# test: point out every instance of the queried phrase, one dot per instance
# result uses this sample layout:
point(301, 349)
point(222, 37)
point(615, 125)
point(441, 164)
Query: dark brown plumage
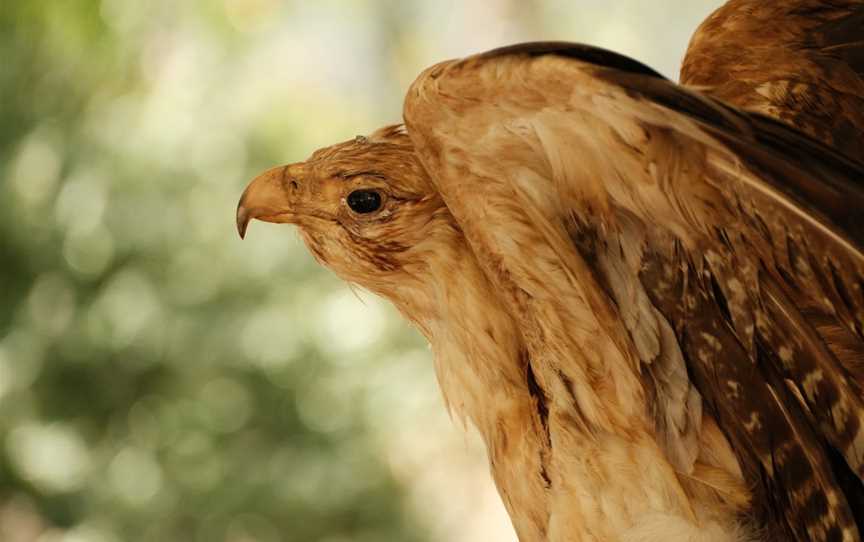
point(800, 61)
point(649, 302)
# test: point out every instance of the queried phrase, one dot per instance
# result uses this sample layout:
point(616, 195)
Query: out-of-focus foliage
point(161, 381)
point(152, 385)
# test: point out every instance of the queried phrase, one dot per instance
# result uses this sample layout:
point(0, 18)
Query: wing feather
point(719, 251)
point(801, 61)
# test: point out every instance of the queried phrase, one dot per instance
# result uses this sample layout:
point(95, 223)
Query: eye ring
point(364, 201)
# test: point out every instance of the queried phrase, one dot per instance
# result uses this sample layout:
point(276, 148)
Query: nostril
point(294, 185)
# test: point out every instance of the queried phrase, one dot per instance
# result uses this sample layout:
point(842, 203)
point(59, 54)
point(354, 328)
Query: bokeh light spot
point(22, 356)
point(81, 202)
point(89, 252)
point(36, 167)
point(269, 337)
point(128, 303)
point(135, 476)
point(350, 321)
point(52, 303)
point(54, 457)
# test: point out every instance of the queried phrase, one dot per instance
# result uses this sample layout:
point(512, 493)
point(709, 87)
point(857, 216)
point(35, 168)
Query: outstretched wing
point(717, 249)
point(801, 61)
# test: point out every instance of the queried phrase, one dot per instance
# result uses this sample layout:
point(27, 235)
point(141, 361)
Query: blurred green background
point(161, 381)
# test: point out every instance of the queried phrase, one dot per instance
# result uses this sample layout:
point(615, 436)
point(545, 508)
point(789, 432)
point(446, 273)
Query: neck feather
point(476, 344)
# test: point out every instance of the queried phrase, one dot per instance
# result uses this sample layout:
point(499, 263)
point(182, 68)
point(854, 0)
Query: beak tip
point(264, 198)
point(242, 221)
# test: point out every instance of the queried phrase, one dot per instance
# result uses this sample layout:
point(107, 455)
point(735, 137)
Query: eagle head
point(366, 209)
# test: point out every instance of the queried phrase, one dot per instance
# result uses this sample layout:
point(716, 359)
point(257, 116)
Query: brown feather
point(800, 61)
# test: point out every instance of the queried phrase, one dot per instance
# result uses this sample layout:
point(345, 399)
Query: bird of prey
point(647, 297)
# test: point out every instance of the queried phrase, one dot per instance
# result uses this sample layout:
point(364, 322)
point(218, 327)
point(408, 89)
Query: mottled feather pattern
point(675, 403)
point(801, 62)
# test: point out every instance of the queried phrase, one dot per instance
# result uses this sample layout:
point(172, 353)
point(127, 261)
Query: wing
point(715, 248)
point(801, 61)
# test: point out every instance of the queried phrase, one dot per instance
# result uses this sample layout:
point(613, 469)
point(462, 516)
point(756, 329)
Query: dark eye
point(364, 201)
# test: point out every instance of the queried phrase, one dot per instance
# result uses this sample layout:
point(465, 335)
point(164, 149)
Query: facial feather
point(383, 249)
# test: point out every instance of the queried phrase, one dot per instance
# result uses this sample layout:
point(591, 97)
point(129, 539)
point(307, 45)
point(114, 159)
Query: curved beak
point(267, 198)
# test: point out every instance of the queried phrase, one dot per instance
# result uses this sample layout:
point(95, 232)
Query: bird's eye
point(364, 201)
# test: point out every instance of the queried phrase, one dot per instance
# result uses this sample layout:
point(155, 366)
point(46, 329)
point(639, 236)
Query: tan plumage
point(648, 302)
